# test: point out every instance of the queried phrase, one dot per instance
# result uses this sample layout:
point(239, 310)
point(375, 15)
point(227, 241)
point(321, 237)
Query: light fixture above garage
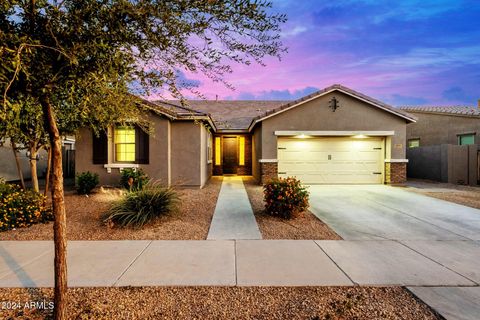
point(302, 136)
point(359, 136)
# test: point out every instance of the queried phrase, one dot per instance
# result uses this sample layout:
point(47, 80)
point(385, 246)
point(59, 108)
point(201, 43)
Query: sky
point(403, 52)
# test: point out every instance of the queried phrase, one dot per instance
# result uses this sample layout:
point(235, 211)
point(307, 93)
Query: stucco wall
point(352, 115)
point(256, 151)
point(8, 167)
point(158, 151)
point(186, 153)
point(435, 129)
point(205, 167)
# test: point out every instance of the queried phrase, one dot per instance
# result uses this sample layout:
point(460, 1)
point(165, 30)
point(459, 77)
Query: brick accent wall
point(268, 170)
point(395, 172)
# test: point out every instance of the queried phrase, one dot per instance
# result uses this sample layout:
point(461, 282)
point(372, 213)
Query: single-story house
point(8, 166)
point(333, 136)
point(443, 125)
point(444, 143)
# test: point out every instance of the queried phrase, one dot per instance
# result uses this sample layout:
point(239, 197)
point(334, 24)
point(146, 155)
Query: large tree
point(80, 60)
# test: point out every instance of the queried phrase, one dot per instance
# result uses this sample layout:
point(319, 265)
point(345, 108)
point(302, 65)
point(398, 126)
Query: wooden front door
point(230, 155)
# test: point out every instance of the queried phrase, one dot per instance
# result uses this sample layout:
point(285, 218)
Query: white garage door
point(332, 160)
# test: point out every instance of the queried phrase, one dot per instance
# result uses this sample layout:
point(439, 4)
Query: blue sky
point(402, 52)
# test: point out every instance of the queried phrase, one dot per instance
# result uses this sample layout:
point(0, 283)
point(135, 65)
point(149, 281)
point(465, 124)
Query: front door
point(230, 155)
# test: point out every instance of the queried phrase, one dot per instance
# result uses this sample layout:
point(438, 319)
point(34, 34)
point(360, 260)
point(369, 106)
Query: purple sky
point(402, 52)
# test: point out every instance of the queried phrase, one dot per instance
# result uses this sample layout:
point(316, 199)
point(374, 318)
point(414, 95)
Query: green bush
point(138, 207)
point(86, 182)
point(133, 179)
point(285, 197)
point(21, 208)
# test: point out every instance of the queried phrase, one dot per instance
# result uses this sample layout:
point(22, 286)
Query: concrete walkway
point(245, 263)
point(233, 217)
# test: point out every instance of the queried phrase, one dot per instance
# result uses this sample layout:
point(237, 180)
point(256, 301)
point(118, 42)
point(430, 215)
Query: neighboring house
point(8, 167)
point(443, 125)
point(335, 135)
point(443, 144)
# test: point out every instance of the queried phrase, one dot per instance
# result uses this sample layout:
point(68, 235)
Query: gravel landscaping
point(225, 303)
point(191, 222)
point(306, 226)
point(464, 195)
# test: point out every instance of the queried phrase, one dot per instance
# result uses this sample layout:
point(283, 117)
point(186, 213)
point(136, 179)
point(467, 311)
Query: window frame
point(413, 140)
point(218, 151)
point(115, 128)
point(463, 135)
point(241, 150)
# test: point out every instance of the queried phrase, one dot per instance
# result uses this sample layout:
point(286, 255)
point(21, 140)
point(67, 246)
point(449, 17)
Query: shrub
point(133, 179)
point(285, 197)
point(21, 208)
point(138, 207)
point(86, 182)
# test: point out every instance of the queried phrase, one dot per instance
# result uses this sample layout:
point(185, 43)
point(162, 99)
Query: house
point(443, 144)
point(443, 125)
point(333, 136)
point(8, 167)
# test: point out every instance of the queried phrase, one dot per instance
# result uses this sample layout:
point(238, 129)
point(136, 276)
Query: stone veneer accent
point(395, 172)
point(268, 170)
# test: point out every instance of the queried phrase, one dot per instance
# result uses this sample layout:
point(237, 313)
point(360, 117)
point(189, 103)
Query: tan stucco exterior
point(179, 147)
point(256, 151)
point(433, 129)
point(178, 154)
point(157, 168)
point(352, 115)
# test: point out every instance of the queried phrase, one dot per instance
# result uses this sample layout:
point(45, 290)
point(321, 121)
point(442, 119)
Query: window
point(209, 147)
point(218, 151)
point(241, 151)
point(414, 143)
point(465, 139)
point(124, 139)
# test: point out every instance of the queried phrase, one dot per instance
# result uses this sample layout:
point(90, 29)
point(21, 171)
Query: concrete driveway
point(374, 212)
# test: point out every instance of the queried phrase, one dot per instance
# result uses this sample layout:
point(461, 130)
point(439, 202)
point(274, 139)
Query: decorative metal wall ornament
point(334, 105)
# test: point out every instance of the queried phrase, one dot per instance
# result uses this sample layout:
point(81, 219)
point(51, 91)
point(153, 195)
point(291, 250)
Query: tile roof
point(451, 110)
point(230, 114)
point(243, 114)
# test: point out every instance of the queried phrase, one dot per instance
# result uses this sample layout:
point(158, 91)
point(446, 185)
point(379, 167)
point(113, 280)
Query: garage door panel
point(331, 160)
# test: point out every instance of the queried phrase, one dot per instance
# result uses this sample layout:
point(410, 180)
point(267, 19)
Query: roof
point(242, 115)
point(231, 114)
point(448, 110)
point(335, 87)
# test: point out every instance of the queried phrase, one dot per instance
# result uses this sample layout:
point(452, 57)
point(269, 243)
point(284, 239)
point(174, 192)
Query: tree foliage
point(87, 55)
point(81, 60)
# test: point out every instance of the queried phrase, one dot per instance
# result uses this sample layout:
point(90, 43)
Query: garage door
point(332, 160)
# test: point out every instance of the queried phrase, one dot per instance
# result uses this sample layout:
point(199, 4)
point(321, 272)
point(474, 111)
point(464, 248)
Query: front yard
point(227, 303)
point(191, 222)
point(464, 195)
point(306, 226)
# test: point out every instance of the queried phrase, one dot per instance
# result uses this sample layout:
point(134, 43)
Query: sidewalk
point(233, 217)
point(244, 263)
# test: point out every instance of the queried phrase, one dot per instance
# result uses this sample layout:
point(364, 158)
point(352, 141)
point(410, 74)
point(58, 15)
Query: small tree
point(79, 60)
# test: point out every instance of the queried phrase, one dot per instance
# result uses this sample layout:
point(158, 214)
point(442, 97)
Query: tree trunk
point(58, 202)
point(33, 168)
point(17, 162)
point(47, 175)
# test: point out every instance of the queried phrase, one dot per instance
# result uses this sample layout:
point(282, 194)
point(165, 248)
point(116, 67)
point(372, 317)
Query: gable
point(351, 114)
point(336, 89)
